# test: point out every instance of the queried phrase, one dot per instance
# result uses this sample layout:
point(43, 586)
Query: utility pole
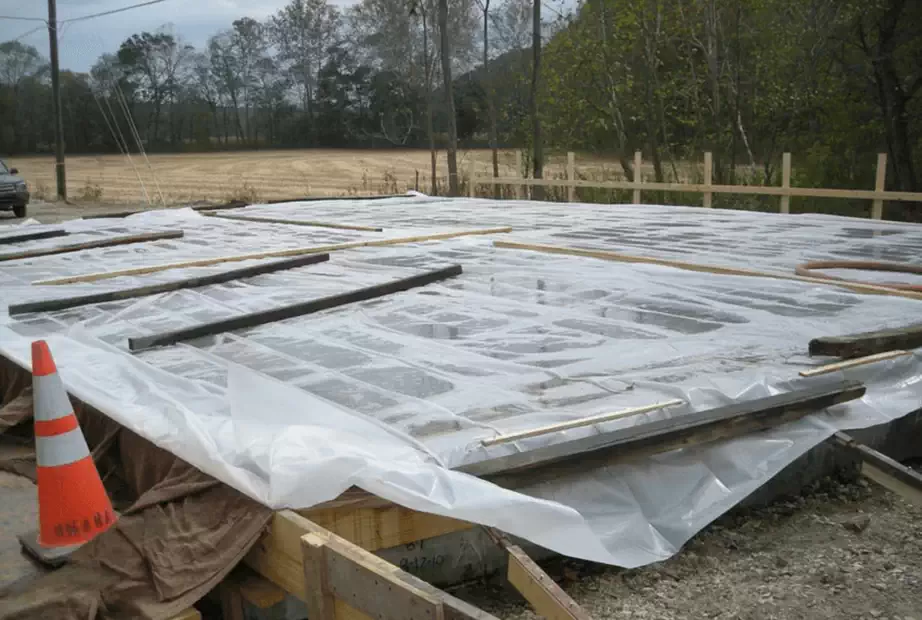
point(56, 101)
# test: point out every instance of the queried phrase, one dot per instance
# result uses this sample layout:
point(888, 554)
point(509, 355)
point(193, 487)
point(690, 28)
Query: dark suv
point(14, 195)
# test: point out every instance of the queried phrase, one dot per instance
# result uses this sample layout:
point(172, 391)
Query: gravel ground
point(841, 550)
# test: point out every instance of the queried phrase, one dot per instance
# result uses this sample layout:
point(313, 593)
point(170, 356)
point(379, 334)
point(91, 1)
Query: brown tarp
point(179, 534)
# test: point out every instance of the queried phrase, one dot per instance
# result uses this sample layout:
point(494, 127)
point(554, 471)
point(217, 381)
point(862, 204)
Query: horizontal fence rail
point(878, 195)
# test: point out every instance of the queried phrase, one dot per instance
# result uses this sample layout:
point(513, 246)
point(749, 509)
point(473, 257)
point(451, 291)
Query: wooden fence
point(878, 195)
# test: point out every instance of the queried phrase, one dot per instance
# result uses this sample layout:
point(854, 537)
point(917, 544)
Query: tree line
point(833, 81)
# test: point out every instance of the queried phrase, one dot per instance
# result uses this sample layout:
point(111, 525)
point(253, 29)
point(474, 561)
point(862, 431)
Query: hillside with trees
point(833, 81)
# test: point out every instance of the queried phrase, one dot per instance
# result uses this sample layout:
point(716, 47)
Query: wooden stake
point(708, 179)
point(276, 220)
point(581, 422)
point(852, 363)
point(93, 277)
point(92, 245)
point(638, 175)
point(470, 176)
point(294, 310)
point(165, 287)
point(786, 181)
point(877, 209)
point(571, 176)
point(727, 271)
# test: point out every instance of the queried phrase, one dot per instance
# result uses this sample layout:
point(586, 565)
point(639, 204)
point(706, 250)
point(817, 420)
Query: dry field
point(256, 175)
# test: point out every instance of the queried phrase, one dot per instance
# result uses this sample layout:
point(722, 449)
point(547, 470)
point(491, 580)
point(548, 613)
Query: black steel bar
point(50, 305)
point(868, 343)
point(45, 234)
point(287, 312)
point(665, 435)
point(90, 245)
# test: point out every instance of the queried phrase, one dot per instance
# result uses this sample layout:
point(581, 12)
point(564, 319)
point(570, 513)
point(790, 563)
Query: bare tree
point(488, 89)
point(538, 157)
point(445, 37)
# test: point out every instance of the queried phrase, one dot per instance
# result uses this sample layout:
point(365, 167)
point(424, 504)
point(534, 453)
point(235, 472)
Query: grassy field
point(255, 175)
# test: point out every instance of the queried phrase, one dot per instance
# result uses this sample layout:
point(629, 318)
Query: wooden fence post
point(518, 173)
point(571, 176)
point(786, 181)
point(708, 178)
point(470, 177)
point(638, 175)
point(877, 209)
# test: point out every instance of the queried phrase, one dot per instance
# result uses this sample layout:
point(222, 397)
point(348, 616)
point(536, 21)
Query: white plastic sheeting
point(389, 394)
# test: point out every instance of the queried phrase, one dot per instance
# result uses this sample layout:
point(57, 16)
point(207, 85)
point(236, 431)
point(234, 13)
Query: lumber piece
point(91, 245)
point(286, 312)
point(280, 558)
point(883, 470)
point(580, 422)
point(165, 287)
point(93, 277)
point(278, 220)
point(34, 236)
point(857, 287)
point(536, 586)
point(867, 343)
point(188, 614)
point(669, 434)
point(852, 363)
point(381, 525)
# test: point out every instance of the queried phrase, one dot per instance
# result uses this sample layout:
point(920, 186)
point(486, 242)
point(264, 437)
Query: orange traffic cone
point(72, 503)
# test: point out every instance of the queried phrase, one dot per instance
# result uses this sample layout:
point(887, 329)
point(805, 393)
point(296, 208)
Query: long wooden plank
point(93, 277)
point(286, 312)
point(50, 305)
point(278, 220)
point(670, 434)
point(91, 245)
point(279, 558)
point(547, 598)
point(852, 363)
point(868, 343)
point(35, 236)
point(758, 190)
point(730, 271)
point(885, 471)
point(535, 585)
point(580, 422)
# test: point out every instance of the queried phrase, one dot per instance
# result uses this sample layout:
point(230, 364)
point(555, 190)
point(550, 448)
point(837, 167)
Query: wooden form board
point(868, 343)
point(729, 271)
point(665, 435)
point(338, 579)
point(883, 470)
point(135, 271)
point(277, 557)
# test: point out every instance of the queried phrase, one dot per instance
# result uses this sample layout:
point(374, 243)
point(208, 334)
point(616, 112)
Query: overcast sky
point(82, 43)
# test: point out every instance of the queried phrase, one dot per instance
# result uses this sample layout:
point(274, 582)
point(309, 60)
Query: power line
point(25, 34)
point(112, 12)
point(23, 19)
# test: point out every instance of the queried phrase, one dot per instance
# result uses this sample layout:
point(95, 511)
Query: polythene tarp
point(390, 394)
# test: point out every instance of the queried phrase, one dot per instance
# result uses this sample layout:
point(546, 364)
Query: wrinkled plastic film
point(377, 394)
